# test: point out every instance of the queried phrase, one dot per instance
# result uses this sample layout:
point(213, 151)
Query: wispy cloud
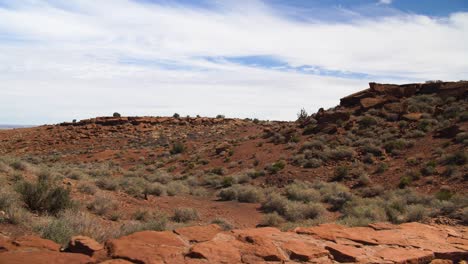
point(385, 2)
point(95, 57)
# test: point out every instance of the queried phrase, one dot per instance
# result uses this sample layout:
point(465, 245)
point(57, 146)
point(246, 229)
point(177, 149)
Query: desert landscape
point(380, 178)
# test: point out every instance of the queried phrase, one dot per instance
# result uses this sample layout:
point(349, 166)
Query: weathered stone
point(216, 252)
point(44, 257)
point(448, 132)
point(84, 245)
point(372, 102)
point(199, 233)
point(36, 242)
point(405, 255)
point(412, 116)
point(303, 251)
point(148, 247)
point(342, 253)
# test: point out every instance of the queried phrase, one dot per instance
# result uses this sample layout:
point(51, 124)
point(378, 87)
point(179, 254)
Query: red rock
point(36, 242)
point(263, 248)
point(84, 245)
point(412, 116)
point(116, 261)
point(44, 257)
point(324, 231)
point(216, 252)
point(342, 253)
point(199, 233)
point(148, 247)
point(353, 99)
point(303, 251)
point(372, 102)
point(441, 261)
point(405, 255)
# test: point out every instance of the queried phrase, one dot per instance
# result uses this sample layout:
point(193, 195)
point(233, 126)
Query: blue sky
point(73, 59)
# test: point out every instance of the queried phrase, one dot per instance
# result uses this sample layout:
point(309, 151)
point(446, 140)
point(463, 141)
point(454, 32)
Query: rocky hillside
point(134, 185)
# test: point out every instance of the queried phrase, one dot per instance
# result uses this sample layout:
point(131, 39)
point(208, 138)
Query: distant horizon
point(266, 59)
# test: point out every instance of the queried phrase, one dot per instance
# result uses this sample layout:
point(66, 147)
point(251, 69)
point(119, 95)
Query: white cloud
point(65, 60)
point(385, 2)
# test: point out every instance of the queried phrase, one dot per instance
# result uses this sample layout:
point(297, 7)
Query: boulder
point(85, 245)
point(354, 99)
point(372, 102)
point(148, 247)
point(217, 252)
point(323, 117)
point(405, 255)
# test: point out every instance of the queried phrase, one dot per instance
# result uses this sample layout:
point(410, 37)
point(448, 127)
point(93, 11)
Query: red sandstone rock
point(303, 251)
point(216, 252)
point(198, 233)
point(36, 242)
point(44, 257)
point(86, 245)
point(148, 247)
point(412, 116)
point(342, 253)
point(405, 255)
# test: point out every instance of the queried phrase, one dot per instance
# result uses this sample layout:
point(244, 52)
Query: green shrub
point(156, 189)
point(341, 172)
point(71, 223)
point(249, 194)
point(176, 188)
point(102, 205)
point(276, 167)
point(300, 192)
point(457, 158)
point(109, 184)
point(366, 122)
point(396, 145)
point(177, 148)
point(87, 188)
point(274, 202)
point(340, 153)
point(228, 194)
point(184, 215)
point(223, 223)
point(404, 181)
point(296, 211)
point(273, 219)
point(45, 195)
point(416, 213)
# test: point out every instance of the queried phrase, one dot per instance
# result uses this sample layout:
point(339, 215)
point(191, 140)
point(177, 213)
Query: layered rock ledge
point(327, 243)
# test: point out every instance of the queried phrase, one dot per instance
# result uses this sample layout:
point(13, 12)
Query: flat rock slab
point(44, 257)
point(199, 233)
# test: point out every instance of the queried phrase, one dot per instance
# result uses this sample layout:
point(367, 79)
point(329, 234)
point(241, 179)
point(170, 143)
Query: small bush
point(184, 215)
point(109, 184)
point(249, 194)
point(177, 148)
point(273, 219)
point(301, 192)
point(102, 205)
point(404, 181)
point(274, 202)
point(416, 213)
point(45, 195)
point(340, 153)
point(341, 172)
point(223, 223)
point(155, 189)
point(457, 158)
point(87, 188)
point(276, 167)
point(299, 211)
point(116, 114)
point(176, 187)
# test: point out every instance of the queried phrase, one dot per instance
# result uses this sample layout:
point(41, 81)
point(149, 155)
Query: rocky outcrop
point(379, 94)
point(136, 121)
point(327, 243)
